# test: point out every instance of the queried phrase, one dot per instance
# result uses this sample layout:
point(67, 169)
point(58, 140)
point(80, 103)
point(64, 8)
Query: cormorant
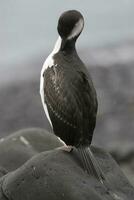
point(68, 94)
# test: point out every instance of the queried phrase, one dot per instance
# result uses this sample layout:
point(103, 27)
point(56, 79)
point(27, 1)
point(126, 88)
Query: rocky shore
point(112, 69)
point(34, 166)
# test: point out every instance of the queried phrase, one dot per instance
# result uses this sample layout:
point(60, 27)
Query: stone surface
point(33, 166)
point(19, 147)
point(56, 175)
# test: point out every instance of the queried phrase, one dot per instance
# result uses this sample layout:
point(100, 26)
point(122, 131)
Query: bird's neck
point(63, 45)
point(68, 46)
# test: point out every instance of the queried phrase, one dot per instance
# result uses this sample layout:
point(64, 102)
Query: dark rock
point(124, 154)
point(19, 147)
point(55, 175)
point(3, 171)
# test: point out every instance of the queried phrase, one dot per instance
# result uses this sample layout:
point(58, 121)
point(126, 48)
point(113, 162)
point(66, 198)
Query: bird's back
point(71, 99)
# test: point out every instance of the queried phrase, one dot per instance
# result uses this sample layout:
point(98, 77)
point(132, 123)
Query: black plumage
point(71, 99)
point(68, 93)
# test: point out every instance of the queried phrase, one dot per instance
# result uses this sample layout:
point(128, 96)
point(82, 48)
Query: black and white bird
point(67, 92)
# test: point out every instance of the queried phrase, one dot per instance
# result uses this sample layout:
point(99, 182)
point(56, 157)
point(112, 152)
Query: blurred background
point(27, 36)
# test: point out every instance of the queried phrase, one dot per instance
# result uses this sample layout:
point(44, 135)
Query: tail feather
point(87, 164)
point(90, 163)
point(91, 166)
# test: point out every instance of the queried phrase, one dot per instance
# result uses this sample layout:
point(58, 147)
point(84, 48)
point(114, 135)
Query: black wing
point(72, 105)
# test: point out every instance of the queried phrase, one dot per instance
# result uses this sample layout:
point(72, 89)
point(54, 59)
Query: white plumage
point(48, 63)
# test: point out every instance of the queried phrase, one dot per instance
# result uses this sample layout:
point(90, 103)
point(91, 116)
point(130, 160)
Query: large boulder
point(45, 171)
point(55, 175)
point(20, 146)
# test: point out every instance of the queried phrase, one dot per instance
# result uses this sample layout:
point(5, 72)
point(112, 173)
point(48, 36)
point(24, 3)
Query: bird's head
point(70, 25)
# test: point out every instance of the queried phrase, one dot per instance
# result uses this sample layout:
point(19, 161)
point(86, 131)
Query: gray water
point(28, 27)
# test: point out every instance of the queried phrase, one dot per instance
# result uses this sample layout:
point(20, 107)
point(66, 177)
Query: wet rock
point(124, 155)
point(19, 147)
point(55, 175)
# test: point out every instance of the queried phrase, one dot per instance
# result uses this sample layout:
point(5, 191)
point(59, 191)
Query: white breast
point(48, 63)
point(43, 100)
